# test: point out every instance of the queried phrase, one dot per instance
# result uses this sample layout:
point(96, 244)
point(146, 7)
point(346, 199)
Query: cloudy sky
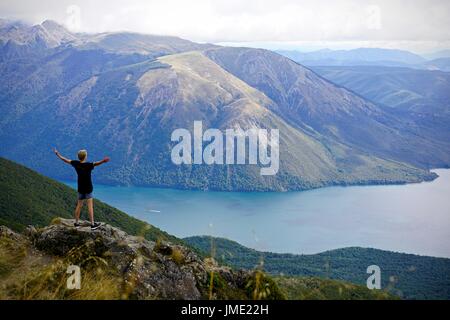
point(417, 25)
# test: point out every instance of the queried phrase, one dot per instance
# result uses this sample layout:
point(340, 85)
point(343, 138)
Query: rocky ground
point(116, 265)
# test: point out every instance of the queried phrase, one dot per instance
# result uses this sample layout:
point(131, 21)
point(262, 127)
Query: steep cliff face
point(115, 265)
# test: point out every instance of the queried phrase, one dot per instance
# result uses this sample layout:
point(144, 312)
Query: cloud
point(73, 20)
point(250, 20)
point(373, 17)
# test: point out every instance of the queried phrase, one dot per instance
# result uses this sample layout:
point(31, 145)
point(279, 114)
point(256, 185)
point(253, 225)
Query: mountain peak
point(55, 33)
point(49, 33)
point(52, 25)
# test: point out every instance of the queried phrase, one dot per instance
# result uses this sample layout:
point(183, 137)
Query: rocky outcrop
point(8, 233)
point(152, 270)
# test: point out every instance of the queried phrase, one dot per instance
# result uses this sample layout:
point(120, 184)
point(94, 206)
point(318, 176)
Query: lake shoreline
point(331, 185)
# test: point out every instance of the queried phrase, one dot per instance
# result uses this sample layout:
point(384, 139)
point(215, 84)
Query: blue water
point(411, 218)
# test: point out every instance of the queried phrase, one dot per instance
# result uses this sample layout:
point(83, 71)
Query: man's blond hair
point(82, 154)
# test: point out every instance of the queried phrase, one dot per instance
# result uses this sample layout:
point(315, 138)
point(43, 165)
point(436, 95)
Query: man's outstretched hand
point(60, 156)
point(104, 160)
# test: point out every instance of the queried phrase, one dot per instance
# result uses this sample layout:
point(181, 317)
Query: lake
point(412, 218)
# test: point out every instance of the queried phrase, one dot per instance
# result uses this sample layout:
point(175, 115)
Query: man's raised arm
point(105, 160)
point(60, 156)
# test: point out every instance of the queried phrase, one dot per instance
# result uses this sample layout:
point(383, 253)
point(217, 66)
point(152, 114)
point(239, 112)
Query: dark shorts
point(84, 196)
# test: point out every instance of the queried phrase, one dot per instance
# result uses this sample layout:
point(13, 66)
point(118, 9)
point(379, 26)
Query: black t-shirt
point(84, 170)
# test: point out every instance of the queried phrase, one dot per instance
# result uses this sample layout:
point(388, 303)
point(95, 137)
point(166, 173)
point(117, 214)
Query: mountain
point(123, 94)
point(22, 41)
point(141, 264)
point(420, 96)
point(143, 44)
point(406, 275)
point(405, 89)
point(442, 64)
point(50, 35)
point(133, 109)
point(438, 54)
point(308, 101)
point(366, 57)
point(353, 57)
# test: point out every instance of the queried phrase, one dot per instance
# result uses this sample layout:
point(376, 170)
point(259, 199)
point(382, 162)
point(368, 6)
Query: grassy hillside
point(409, 276)
point(28, 198)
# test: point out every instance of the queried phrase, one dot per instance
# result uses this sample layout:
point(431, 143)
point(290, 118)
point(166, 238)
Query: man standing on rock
point(85, 186)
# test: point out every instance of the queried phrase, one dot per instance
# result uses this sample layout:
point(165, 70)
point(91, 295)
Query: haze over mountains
point(123, 94)
point(370, 57)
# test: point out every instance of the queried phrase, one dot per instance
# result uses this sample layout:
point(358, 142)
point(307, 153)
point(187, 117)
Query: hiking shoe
point(76, 224)
point(95, 226)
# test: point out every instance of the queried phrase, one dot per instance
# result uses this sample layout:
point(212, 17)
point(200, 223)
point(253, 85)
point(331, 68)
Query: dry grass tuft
point(26, 274)
point(177, 256)
point(56, 221)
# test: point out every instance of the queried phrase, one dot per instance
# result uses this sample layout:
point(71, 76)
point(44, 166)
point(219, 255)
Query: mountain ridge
point(331, 110)
point(366, 57)
point(417, 96)
point(358, 56)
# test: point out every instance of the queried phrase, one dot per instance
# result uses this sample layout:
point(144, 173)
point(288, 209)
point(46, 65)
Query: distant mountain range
point(370, 57)
point(437, 55)
point(419, 96)
point(123, 94)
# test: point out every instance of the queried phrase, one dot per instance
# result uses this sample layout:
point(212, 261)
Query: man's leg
point(78, 210)
point(90, 203)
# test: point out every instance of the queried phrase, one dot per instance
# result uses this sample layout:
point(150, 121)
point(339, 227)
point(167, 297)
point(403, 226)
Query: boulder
point(152, 270)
